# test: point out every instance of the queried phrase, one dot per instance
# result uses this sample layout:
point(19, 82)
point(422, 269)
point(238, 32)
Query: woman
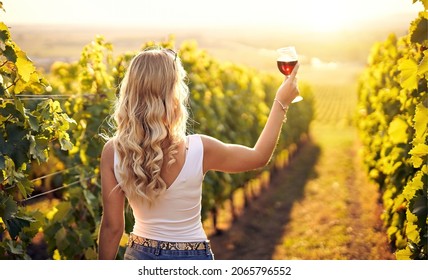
point(159, 169)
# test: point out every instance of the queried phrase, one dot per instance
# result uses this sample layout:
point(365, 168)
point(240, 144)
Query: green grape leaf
point(14, 247)
point(419, 34)
point(16, 224)
point(404, 254)
point(8, 110)
point(85, 238)
point(3, 27)
point(423, 65)
point(19, 106)
point(61, 239)
point(25, 67)
point(25, 187)
point(17, 145)
point(420, 150)
point(8, 207)
point(66, 144)
point(416, 161)
point(413, 186)
point(64, 209)
point(39, 148)
point(4, 36)
point(33, 122)
point(412, 233)
point(420, 121)
point(412, 229)
point(408, 70)
point(15, 133)
point(10, 54)
point(418, 153)
point(36, 224)
point(20, 86)
point(397, 131)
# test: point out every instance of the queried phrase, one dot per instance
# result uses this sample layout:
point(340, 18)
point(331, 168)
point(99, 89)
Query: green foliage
point(393, 121)
point(26, 135)
point(72, 231)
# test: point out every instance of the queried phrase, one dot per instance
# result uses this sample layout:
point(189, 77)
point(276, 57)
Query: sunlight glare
point(328, 15)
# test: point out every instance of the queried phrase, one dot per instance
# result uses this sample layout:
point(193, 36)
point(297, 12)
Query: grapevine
point(393, 121)
point(28, 131)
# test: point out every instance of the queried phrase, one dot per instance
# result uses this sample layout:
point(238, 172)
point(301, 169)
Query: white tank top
point(176, 215)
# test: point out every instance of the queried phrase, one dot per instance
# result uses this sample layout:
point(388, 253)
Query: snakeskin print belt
point(164, 245)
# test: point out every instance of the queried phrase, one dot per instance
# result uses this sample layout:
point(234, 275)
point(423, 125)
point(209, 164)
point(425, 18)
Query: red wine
point(286, 67)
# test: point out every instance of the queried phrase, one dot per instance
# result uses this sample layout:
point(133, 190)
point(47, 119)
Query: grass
point(316, 229)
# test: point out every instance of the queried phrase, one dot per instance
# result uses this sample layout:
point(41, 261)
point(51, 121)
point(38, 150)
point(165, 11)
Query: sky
point(317, 15)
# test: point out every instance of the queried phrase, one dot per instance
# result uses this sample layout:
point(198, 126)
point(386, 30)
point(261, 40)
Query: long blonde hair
point(151, 118)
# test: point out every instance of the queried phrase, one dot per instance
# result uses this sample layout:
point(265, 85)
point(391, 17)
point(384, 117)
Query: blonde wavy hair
point(151, 118)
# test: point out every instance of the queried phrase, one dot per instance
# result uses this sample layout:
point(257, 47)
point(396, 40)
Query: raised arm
point(112, 221)
point(234, 158)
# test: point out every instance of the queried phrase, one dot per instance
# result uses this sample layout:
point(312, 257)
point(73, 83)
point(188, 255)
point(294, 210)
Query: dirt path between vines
point(321, 206)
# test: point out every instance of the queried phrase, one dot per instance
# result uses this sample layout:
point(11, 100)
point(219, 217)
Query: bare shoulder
point(209, 142)
point(109, 145)
point(107, 154)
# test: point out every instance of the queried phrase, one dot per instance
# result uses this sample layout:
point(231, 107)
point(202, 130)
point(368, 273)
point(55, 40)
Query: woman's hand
point(288, 90)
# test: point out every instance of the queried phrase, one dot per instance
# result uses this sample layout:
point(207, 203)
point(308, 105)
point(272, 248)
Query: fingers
point(294, 79)
point(294, 72)
point(289, 89)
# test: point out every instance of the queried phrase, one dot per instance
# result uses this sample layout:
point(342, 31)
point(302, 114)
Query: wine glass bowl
point(287, 59)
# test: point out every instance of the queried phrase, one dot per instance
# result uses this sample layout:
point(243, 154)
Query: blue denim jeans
point(138, 252)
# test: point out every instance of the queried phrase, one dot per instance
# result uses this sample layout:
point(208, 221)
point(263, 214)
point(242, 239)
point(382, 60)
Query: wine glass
point(286, 61)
